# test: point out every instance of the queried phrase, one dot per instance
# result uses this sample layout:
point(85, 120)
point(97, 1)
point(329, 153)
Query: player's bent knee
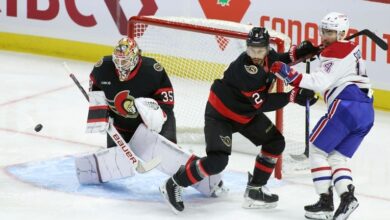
point(215, 162)
point(276, 146)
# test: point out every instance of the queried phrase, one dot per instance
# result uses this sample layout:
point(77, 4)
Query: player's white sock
point(342, 176)
point(320, 170)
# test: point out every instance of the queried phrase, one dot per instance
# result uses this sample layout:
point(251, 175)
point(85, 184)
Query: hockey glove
point(300, 95)
point(98, 113)
point(304, 49)
point(285, 73)
point(151, 113)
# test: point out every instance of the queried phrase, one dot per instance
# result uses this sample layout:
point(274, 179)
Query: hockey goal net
point(194, 52)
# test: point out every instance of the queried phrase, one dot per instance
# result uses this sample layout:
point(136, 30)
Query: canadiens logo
point(226, 140)
point(251, 69)
point(123, 105)
point(158, 67)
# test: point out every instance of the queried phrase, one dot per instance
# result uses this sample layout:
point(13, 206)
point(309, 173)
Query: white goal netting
point(196, 51)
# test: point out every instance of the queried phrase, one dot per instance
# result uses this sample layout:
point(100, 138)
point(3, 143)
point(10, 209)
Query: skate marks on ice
point(59, 174)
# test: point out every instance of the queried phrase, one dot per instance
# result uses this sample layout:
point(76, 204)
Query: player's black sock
point(263, 169)
point(197, 169)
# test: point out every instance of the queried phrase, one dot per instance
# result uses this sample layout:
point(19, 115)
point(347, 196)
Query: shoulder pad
point(103, 60)
point(99, 63)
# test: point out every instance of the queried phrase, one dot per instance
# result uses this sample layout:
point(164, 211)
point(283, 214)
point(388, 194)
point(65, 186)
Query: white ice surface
point(36, 89)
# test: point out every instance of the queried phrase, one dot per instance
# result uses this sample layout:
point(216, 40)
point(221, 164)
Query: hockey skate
point(258, 197)
point(348, 204)
point(323, 209)
point(171, 192)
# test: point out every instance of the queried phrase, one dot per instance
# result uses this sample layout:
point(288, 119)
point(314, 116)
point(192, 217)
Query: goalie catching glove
point(98, 115)
point(151, 113)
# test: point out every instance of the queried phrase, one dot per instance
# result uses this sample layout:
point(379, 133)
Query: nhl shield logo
point(251, 69)
point(226, 140)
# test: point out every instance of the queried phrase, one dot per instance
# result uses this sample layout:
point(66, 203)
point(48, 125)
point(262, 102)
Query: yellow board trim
point(53, 47)
point(93, 52)
point(382, 99)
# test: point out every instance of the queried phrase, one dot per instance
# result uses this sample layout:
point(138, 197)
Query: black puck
point(38, 127)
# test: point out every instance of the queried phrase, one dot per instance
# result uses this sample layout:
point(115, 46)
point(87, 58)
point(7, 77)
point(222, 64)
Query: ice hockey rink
point(37, 178)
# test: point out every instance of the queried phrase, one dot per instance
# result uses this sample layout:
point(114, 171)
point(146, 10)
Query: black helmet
point(258, 37)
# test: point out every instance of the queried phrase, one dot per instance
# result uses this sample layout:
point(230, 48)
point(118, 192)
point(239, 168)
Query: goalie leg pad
point(147, 145)
point(103, 166)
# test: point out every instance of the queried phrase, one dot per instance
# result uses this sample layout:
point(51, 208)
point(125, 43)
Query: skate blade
point(319, 215)
point(351, 208)
point(166, 199)
point(253, 204)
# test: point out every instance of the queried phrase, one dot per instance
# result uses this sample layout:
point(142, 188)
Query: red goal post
point(222, 31)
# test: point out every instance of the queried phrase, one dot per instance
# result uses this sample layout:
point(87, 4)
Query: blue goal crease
point(59, 174)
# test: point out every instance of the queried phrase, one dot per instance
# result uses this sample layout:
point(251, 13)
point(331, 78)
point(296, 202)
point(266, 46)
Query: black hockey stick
point(305, 154)
point(378, 41)
point(117, 137)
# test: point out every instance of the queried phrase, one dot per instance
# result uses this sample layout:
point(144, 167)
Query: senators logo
point(123, 105)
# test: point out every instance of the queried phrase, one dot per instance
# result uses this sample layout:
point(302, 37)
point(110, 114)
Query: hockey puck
point(38, 127)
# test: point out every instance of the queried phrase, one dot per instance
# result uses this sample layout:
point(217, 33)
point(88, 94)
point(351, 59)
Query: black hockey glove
point(305, 48)
point(300, 95)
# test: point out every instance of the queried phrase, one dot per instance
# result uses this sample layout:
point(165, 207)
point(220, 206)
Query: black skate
point(348, 204)
point(172, 194)
point(323, 209)
point(258, 197)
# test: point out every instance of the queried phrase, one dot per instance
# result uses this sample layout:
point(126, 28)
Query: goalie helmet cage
point(195, 52)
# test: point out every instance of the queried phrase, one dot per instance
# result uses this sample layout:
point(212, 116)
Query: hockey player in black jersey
point(236, 104)
point(134, 93)
point(123, 77)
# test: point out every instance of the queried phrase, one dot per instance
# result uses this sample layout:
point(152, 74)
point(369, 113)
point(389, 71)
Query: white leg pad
point(103, 166)
point(148, 145)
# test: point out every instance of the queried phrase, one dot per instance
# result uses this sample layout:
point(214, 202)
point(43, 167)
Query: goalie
point(134, 94)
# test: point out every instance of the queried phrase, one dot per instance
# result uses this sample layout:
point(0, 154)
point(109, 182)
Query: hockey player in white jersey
point(342, 80)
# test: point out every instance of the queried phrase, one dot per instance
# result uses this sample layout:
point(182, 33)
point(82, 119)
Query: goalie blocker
point(111, 164)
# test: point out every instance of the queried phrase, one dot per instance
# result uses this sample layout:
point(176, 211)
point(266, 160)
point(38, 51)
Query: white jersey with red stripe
point(341, 64)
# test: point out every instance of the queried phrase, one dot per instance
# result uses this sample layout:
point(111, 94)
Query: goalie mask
point(126, 56)
point(337, 22)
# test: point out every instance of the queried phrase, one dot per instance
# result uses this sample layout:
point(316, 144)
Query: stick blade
point(298, 157)
point(143, 167)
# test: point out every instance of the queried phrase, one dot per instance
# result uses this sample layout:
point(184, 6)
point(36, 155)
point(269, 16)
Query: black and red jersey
point(148, 79)
point(243, 90)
